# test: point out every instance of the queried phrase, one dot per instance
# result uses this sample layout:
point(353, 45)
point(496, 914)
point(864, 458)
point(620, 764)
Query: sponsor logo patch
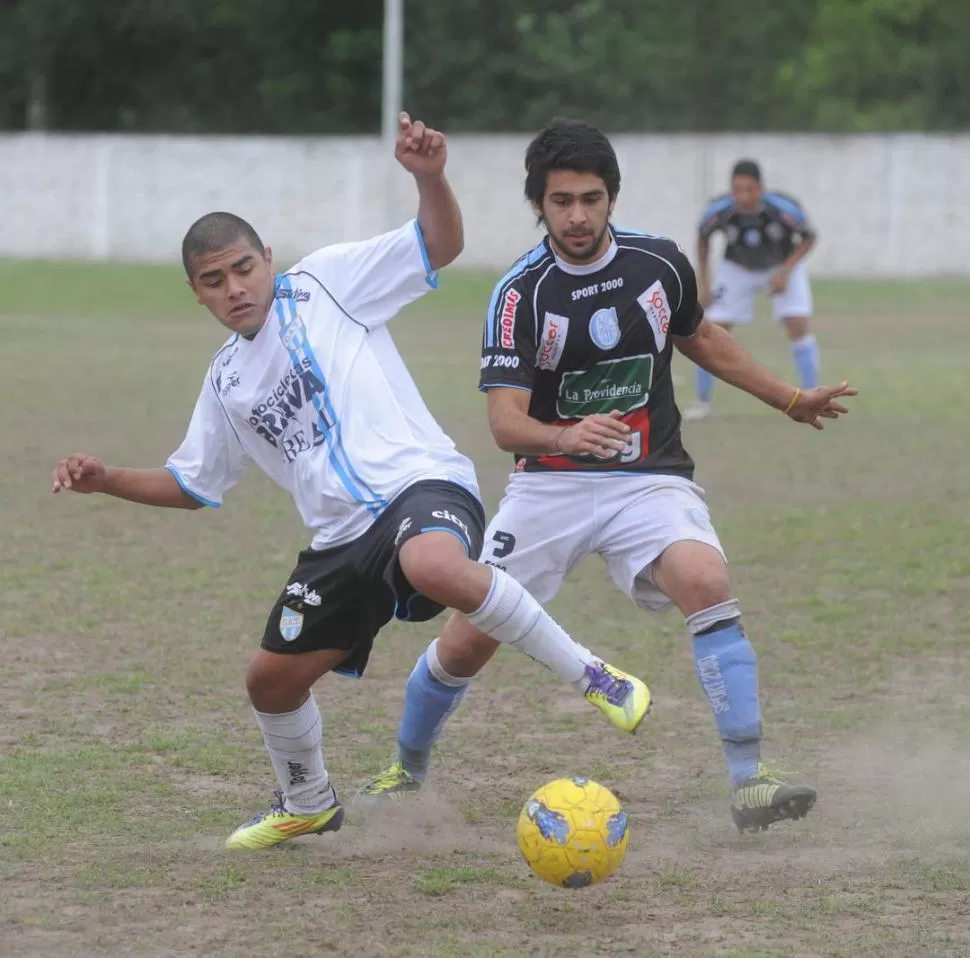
point(553, 340)
point(453, 519)
point(614, 384)
point(655, 304)
point(297, 590)
point(401, 529)
point(507, 319)
point(297, 295)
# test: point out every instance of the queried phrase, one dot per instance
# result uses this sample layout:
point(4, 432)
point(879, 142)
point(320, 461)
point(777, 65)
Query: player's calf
point(292, 728)
point(695, 576)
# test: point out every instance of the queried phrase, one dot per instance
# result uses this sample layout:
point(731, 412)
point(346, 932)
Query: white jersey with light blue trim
point(320, 398)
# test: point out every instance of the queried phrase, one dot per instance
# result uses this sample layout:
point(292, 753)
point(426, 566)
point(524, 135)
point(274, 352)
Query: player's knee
point(705, 587)
point(262, 685)
point(694, 575)
point(272, 689)
point(798, 327)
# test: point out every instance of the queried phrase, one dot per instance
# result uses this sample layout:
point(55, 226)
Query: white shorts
point(549, 522)
point(734, 289)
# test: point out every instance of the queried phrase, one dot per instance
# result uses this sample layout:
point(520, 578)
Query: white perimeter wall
point(883, 204)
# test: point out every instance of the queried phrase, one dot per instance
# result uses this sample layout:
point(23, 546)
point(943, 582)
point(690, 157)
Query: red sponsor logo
point(549, 353)
point(658, 301)
point(507, 321)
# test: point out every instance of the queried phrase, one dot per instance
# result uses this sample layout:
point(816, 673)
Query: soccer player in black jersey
point(768, 235)
point(576, 357)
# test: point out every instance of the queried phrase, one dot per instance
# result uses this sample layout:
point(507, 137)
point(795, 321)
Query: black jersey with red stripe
point(594, 339)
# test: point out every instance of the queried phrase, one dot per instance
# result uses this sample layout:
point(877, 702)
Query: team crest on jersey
point(604, 328)
point(553, 340)
point(655, 304)
point(775, 231)
point(293, 334)
point(291, 623)
point(752, 237)
point(507, 319)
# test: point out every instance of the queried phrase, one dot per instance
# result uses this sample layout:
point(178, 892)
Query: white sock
point(294, 741)
point(510, 615)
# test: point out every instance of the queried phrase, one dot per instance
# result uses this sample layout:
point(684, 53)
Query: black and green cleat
point(763, 800)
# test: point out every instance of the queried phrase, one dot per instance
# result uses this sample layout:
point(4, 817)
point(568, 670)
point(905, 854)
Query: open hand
point(419, 149)
point(80, 473)
point(820, 403)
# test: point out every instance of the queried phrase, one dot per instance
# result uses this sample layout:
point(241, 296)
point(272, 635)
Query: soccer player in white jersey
point(312, 390)
point(576, 364)
point(767, 237)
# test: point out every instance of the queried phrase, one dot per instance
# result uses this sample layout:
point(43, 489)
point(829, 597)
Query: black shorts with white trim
point(341, 598)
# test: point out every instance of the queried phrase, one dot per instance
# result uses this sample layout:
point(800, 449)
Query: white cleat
point(697, 412)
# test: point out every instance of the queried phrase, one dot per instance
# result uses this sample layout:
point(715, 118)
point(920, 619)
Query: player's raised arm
point(423, 152)
point(149, 487)
point(374, 279)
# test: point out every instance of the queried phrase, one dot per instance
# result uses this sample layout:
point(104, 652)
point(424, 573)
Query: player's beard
point(587, 252)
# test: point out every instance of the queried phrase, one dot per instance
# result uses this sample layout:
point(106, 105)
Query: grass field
point(128, 750)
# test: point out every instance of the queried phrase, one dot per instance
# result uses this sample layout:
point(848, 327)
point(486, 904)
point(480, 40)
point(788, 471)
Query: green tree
point(183, 65)
point(882, 65)
point(280, 66)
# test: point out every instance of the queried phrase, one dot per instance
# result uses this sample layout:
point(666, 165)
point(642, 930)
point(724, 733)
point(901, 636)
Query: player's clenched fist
point(79, 473)
point(597, 435)
point(419, 149)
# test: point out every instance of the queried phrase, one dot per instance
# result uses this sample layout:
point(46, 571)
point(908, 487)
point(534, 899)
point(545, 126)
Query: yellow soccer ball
point(573, 832)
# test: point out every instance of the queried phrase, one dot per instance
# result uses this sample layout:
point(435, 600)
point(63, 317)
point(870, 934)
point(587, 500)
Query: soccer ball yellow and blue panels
point(573, 832)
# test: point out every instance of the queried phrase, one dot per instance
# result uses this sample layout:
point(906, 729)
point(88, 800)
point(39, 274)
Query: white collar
point(593, 267)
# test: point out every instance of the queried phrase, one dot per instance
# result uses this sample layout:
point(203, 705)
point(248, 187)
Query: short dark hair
point(747, 168)
point(216, 231)
point(566, 144)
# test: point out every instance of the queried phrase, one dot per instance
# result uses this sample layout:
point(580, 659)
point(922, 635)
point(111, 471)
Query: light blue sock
point(728, 672)
point(704, 383)
point(804, 352)
point(431, 696)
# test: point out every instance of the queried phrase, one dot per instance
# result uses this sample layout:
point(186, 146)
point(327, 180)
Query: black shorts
point(341, 598)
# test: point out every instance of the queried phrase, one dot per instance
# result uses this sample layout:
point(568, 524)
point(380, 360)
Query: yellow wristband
point(794, 399)
point(559, 436)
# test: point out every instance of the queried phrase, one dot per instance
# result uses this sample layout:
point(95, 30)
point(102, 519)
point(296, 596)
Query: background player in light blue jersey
point(768, 237)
